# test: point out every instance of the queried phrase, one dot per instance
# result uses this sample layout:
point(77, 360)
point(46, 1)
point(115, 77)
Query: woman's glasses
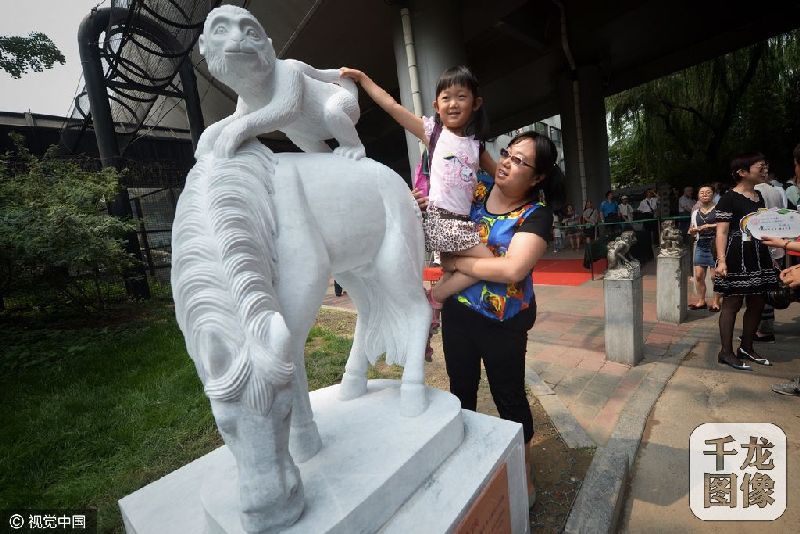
point(516, 160)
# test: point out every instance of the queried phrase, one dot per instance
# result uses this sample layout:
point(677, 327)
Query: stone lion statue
point(619, 250)
point(307, 104)
point(671, 239)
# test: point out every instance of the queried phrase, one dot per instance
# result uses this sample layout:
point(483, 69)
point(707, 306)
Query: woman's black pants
point(470, 337)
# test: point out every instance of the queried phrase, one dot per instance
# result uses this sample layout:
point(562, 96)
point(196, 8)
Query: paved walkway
point(598, 403)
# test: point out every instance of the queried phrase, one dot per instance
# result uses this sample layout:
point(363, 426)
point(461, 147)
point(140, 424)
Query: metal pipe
point(411, 59)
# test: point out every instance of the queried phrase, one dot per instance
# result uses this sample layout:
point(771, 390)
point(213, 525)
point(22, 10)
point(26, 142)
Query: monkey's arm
point(210, 134)
point(282, 109)
point(323, 75)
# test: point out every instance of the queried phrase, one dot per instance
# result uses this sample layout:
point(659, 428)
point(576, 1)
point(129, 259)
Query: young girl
point(456, 158)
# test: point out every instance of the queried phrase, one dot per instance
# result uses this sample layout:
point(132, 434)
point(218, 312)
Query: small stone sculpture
point(621, 265)
point(307, 104)
point(671, 240)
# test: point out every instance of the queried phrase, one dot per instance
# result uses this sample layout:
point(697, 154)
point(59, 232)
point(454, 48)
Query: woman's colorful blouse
point(496, 300)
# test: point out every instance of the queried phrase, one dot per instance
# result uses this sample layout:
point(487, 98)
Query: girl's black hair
point(743, 162)
point(545, 163)
point(478, 125)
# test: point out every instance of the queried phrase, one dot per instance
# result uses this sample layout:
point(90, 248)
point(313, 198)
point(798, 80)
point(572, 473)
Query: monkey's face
point(235, 46)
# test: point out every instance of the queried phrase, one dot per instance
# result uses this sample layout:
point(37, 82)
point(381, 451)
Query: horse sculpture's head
point(225, 303)
point(250, 389)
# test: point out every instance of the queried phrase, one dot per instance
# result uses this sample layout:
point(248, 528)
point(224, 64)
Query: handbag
point(422, 174)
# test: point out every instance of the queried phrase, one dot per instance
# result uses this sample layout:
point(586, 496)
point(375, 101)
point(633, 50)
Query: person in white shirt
point(648, 207)
point(625, 209)
point(649, 203)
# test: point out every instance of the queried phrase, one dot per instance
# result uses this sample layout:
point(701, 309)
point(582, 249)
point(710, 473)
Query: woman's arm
point(721, 243)
point(785, 244)
point(404, 117)
point(525, 249)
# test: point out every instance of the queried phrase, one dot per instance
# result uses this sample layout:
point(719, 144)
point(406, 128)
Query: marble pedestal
point(624, 320)
point(377, 471)
point(671, 285)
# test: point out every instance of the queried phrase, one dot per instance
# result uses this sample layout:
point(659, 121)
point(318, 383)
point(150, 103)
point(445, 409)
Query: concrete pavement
point(646, 413)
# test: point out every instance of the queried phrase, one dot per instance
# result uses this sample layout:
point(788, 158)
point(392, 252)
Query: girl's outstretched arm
point(404, 117)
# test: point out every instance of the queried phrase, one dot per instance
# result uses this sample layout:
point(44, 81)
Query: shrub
point(58, 244)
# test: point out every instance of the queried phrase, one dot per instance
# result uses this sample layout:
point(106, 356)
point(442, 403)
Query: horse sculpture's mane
point(223, 275)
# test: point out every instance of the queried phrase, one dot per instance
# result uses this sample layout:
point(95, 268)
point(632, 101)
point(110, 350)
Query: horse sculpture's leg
point(354, 380)
point(303, 264)
point(408, 313)
point(301, 295)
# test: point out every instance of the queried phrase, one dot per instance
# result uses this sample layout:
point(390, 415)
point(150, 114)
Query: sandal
point(429, 349)
point(734, 361)
point(435, 304)
point(696, 307)
point(752, 355)
point(713, 309)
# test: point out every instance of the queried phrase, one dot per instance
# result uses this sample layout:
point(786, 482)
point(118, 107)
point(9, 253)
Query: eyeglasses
point(516, 160)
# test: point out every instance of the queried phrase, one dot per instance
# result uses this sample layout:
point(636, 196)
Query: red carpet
point(565, 272)
point(547, 272)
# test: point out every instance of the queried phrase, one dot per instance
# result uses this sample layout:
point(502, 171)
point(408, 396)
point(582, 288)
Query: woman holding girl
point(702, 225)
point(461, 124)
point(489, 321)
point(744, 272)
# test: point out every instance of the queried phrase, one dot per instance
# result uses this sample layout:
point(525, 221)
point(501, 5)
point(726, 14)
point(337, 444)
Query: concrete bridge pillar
point(439, 45)
point(584, 136)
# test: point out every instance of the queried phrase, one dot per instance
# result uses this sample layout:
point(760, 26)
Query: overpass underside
point(534, 59)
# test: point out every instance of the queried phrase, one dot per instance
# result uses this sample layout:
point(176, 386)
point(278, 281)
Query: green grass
point(92, 414)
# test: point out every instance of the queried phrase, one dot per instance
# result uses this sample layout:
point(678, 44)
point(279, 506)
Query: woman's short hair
point(796, 154)
point(743, 162)
point(545, 163)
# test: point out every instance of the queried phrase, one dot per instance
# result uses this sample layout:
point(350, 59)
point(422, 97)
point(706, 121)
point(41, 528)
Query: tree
point(684, 127)
point(35, 52)
point(57, 240)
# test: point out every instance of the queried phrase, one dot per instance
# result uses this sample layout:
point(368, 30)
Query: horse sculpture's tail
point(389, 310)
point(223, 273)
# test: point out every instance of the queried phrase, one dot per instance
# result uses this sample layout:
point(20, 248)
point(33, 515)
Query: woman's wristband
point(786, 244)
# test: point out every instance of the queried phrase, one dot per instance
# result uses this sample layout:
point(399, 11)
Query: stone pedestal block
point(377, 470)
point(671, 284)
point(624, 316)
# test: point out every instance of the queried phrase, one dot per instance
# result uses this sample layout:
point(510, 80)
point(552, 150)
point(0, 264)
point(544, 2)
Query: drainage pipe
point(411, 59)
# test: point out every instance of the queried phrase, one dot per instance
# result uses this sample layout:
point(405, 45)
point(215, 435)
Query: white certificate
point(772, 222)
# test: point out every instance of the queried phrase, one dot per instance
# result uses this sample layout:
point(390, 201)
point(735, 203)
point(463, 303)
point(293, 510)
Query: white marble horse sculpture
point(255, 239)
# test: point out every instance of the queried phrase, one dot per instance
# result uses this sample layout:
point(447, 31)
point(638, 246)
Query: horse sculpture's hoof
point(304, 442)
point(413, 399)
point(352, 387)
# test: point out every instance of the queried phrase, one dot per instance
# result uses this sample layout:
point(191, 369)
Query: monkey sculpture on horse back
point(307, 104)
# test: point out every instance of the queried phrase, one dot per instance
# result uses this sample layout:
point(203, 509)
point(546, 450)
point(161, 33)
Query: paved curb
point(567, 426)
point(598, 504)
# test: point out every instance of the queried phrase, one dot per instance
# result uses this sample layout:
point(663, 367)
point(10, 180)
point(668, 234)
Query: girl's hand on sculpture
point(422, 200)
point(353, 74)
